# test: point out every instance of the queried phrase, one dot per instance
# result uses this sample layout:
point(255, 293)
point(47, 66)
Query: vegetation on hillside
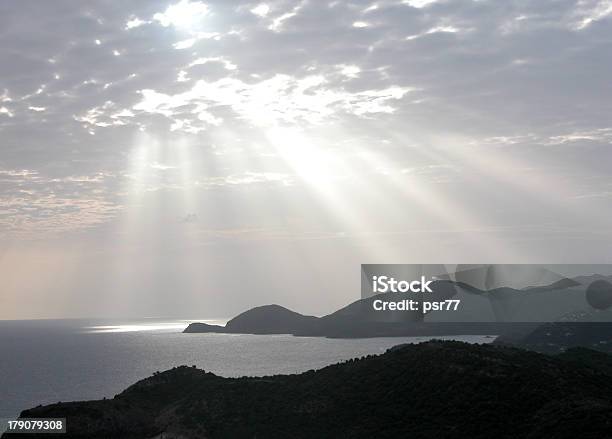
point(431, 390)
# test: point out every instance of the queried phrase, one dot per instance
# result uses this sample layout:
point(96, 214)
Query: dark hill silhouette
point(430, 390)
point(586, 280)
point(560, 284)
point(518, 276)
point(270, 319)
point(484, 312)
point(555, 337)
point(267, 319)
point(204, 327)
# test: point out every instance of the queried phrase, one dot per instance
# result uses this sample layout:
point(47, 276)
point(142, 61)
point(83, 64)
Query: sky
point(195, 159)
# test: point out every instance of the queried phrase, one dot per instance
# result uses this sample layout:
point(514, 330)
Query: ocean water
point(44, 362)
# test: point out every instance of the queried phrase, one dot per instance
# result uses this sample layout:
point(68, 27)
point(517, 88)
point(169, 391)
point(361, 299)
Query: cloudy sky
point(194, 159)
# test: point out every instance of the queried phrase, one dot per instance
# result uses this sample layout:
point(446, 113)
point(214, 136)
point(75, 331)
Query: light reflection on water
point(171, 326)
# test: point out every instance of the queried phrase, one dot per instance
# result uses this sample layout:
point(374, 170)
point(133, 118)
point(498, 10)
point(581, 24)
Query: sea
point(46, 361)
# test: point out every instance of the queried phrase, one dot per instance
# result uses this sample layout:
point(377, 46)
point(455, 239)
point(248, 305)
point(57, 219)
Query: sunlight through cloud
point(184, 14)
point(261, 10)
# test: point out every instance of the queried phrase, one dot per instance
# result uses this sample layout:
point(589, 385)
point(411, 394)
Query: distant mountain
point(586, 280)
point(516, 276)
point(356, 320)
point(430, 390)
point(267, 319)
point(558, 285)
point(484, 312)
point(204, 327)
point(270, 319)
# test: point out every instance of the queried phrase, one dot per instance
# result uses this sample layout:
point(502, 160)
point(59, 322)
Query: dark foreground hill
point(431, 390)
point(556, 337)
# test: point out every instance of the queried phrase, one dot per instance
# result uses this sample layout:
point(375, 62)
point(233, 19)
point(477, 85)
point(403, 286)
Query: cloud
point(261, 10)
point(397, 79)
point(278, 22)
point(131, 24)
point(419, 3)
point(6, 111)
point(589, 12)
point(44, 206)
point(280, 99)
point(350, 71)
point(183, 14)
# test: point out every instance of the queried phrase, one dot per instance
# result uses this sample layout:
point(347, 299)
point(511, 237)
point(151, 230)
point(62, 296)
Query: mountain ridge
point(359, 320)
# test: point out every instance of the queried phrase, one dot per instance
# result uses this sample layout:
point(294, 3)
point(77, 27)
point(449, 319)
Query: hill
point(556, 337)
point(482, 312)
point(434, 389)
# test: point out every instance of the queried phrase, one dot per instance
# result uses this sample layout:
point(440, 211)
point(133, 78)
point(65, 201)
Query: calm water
point(44, 362)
